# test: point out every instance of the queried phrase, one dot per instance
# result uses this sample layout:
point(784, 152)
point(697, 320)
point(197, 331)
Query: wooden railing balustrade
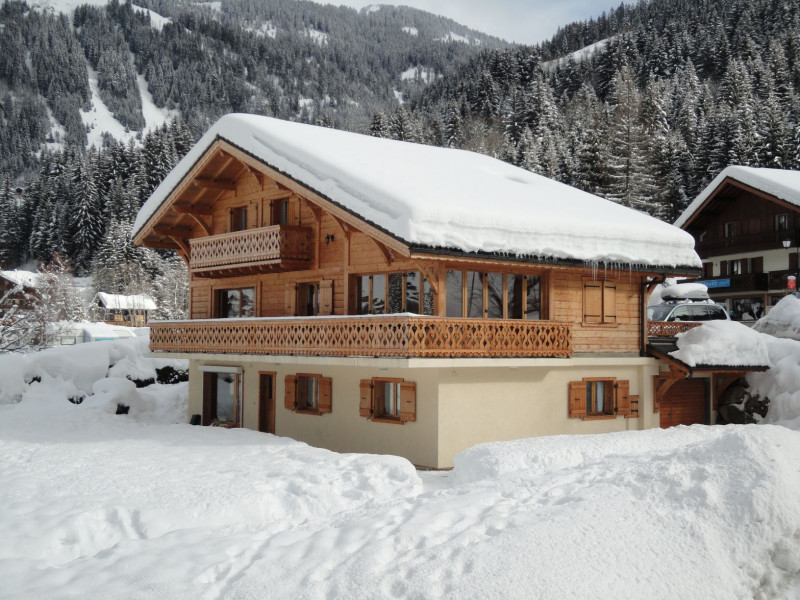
point(251, 247)
point(391, 336)
point(669, 328)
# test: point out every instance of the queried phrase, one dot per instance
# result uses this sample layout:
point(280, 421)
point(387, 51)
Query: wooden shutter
point(757, 264)
point(326, 297)
point(325, 394)
point(723, 268)
point(609, 302)
point(623, 403)
point(708, 270)
point(593, 302)
point(365, 401)
point(290, 393)
point(290, 307)
point(408, 401)
point(577, 399)
point(293, 211)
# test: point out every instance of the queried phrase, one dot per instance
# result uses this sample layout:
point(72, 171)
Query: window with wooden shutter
point(290, 392)
point(365, 400)
point(577, 399)
point(408, 401)
point(325, 394)
point(623, 401)
point(609, 302)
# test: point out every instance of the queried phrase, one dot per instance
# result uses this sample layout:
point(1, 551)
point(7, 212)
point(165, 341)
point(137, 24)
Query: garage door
point(685, 403)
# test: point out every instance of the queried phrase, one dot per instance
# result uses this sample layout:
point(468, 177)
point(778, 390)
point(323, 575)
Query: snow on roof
point(781, 183)
point(722, 344)
point(119, 302)
point(26, 279)
point(444, 198)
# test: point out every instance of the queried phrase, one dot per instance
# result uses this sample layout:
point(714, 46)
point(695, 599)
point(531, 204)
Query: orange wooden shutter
point(608, 397)
point(365, 401)
point(326, 297)
point(593, 302)
point(577, 399)
point(325, 394)
point(623, 397)
point(289, 395)
point(609, 302)
point(408, 401)
point(291, 299)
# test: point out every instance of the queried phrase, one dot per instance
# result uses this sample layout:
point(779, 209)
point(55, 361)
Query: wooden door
point(266, 402)
point(686, 403)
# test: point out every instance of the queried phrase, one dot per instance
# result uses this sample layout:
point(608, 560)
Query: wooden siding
point(685, 403)
point(397, 336)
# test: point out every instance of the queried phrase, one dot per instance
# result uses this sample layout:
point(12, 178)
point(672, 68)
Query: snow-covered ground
point(99, 505)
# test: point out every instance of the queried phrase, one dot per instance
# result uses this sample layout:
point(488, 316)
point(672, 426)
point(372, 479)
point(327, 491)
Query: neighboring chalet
point(132, 311)
point(370, 295)
point(746, 226)
point(24, 282)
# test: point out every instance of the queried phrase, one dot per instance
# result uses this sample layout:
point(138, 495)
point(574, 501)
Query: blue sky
point(523, 21)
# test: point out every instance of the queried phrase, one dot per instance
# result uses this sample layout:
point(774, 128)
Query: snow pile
point(685, 291)
point(780, 183)
point(722, 343)
point(439, 197)
point(783, 319)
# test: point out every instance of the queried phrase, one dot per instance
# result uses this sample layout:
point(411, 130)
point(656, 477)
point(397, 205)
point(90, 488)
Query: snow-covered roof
point(781, 183)
point(119, 302)
point(26, 279)
point(444, 198)
point(722, 344)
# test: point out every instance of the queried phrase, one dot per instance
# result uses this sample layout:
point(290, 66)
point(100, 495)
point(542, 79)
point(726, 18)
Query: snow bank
point(445, 198)
point(783, 319)
point(722, 343)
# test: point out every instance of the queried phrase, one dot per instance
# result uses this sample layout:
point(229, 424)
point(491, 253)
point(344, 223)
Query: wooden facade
point(251, 233)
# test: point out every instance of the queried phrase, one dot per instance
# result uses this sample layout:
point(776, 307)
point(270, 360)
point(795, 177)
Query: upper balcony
point(379, 336)
point(279, 247)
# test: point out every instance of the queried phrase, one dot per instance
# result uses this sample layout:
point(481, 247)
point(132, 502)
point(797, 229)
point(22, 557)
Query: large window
point(600, 397)
point(493, 295)
point(221, 399)
point(232, 304)
point(308, 393)
point(393, 293)
point(239, 218)
point(390, 400)
point(599, 301)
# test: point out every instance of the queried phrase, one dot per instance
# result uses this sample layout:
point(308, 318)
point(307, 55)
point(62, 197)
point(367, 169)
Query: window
point(730, 230)
point(782, 222)
point(474, 295)
point(493, 295)
point(239, 218)
point(735, 267)
point(455, 294)
point(236, 303)
point(308, 393)
point(389, 400)
point(307, 299)
point(279, 212)
point(393, 293)
point(600, 397)
point(221, 399)
point(599, 302)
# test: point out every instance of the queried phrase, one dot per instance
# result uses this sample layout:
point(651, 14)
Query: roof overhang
point(683, 370)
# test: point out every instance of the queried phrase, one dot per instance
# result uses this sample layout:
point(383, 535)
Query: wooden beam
point(723, 382)
point(211, 184)
point(183, 245)
point(386, 252)
point(664, 387)
point(430, 274)
point(200, 221)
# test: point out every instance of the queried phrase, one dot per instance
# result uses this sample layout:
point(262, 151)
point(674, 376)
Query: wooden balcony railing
point(281, 245)
point(669, 328)
point(396, 336)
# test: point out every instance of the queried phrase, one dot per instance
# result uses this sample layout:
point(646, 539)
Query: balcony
point(379, 336)
point(280, 247)
point(768, 240)
point(669, 329)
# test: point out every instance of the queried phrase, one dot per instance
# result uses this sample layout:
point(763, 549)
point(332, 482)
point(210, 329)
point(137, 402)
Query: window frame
point(292, 394)
point(357, 280)
point(405, 393)
point(238, 218)
point(210, 399)
point(782, 222)
point(620, 404)
point(507, 279)
point(730, 229)
point(219, 303)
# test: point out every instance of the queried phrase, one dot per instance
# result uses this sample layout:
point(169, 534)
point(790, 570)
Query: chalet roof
point(437, 198)
point(26, 279)
point(120, 302)
point(779, 183)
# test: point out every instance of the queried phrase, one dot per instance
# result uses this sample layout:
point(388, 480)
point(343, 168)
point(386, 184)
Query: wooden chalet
point(368, 295)
point(746, 225)
point(17, 288)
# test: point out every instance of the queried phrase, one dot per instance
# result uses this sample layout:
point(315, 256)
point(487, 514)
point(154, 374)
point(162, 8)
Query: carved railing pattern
point(668, 328)
point(367, 336)
point(279, 242)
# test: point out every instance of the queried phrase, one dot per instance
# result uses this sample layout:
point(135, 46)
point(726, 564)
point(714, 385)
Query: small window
point(279, 212)
point(236, 303)
point(781, 222)
point(221, 399)
point(307, 299)
point(735, 267)
point(388, 399)
point(239, 218)
point(308, 393)
point(599, 397)
point(731, 230)
point(599, 302)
